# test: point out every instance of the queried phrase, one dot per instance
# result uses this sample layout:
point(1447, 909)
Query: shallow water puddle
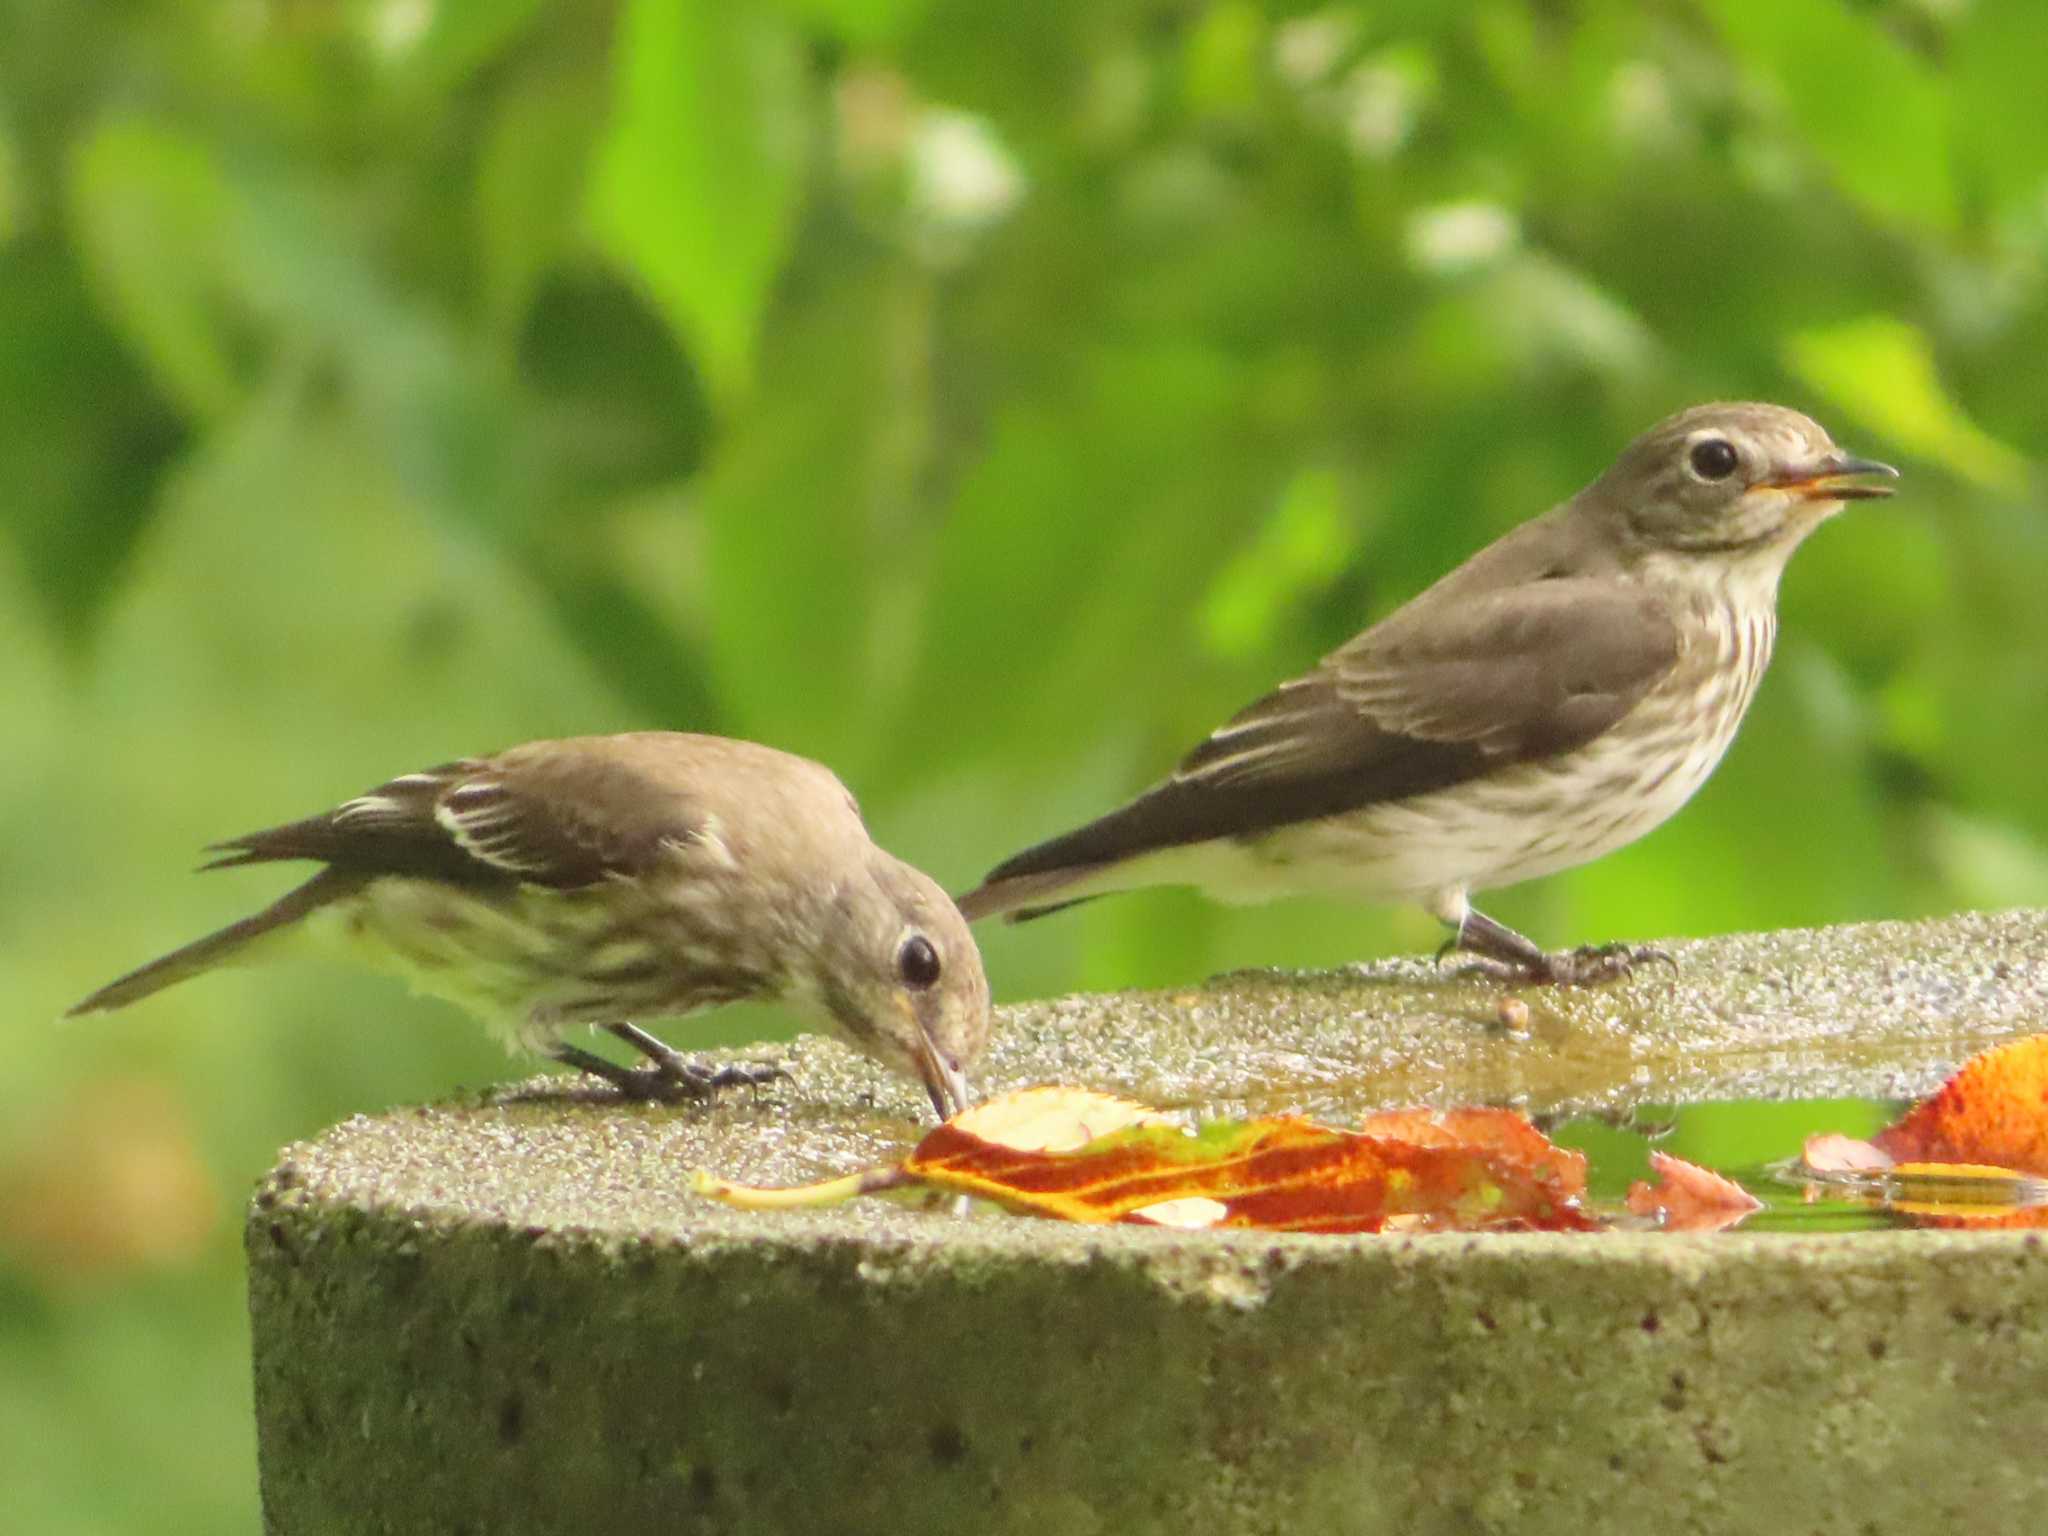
point(1757, 1143)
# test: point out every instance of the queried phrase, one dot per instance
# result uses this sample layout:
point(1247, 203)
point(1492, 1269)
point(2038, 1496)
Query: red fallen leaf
point(1276, 1174)
point(1994, 1110)
point(1499, 1131)
point(1080, 1156)
point(1460, 1171)
point(1689, 1198)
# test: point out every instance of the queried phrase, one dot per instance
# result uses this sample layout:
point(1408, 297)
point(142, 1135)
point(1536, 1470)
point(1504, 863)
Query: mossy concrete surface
point(507, 1315)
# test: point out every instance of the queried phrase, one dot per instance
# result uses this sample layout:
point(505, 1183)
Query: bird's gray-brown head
point(900, 975)
point(1731, 481)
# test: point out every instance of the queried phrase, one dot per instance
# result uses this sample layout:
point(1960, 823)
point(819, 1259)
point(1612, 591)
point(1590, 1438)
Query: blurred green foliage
point(983, 399)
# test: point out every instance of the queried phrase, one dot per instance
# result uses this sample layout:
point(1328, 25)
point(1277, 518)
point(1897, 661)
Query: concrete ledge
point(508, 1317)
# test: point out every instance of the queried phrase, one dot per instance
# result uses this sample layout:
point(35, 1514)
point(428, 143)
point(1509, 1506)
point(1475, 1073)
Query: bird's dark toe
point(653, 1085)
point(738, 1074)
point(1591, 964)
point(676, 1079)
point(1512, 973)
point(669, 1077)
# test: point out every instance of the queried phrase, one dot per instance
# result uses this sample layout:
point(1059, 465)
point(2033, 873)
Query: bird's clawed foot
point(687, 1081)
point(1504, 954)
point(1591, 964)
point(668, 1077)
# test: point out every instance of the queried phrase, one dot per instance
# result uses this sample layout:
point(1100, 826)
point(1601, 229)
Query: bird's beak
point(1829, 479)
point(944, 1082)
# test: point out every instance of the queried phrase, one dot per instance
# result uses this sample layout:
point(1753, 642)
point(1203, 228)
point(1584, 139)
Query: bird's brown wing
point(552, 814)
point(1426, 700)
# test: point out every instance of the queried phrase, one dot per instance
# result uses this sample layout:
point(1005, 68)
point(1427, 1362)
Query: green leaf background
point(984, 399)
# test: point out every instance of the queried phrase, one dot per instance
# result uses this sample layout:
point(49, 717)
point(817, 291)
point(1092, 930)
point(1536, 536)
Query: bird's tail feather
point(1019, 898)
point(221, 948)
point(1026, 914)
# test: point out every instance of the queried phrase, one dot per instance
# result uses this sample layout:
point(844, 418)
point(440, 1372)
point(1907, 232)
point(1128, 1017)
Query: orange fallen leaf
point(1994, 1110)
point(1278, 1174)
point(1080, 1156)
point(1689, 1198)
point(1972, 1154)
point(1507, 1134)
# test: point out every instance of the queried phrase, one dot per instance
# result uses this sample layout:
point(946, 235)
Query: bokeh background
point(985, 399)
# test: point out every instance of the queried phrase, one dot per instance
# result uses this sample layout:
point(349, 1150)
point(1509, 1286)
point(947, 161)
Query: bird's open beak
point(1830, 479)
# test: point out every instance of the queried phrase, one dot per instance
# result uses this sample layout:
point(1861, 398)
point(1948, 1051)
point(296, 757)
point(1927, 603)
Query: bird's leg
point(1506, 953)
point(669, 1075)
point(632, 1082)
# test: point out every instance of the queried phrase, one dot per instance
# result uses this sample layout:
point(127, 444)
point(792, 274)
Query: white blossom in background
point(395, 26)
point(1450, 239)
point(1642, 106)
point(961, 178)
point(1308, 49)
point(1382, 100)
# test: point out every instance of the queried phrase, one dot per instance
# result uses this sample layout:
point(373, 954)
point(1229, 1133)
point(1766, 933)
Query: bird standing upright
point(1558, 695)
point(594, 880)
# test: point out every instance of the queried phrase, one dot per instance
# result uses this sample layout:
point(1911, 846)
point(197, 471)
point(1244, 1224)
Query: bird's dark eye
point(1714, 458)
point(917, 962)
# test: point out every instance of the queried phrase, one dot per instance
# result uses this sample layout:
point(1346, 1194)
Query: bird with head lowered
point(1558, 695)
point(602, 879)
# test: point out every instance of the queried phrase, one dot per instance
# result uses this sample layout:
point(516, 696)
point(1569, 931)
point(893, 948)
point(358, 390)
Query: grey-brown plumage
point(601, 879)
point(1558, 695)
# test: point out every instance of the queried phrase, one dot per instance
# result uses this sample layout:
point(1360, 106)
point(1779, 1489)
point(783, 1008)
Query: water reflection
point(1758, 1144)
